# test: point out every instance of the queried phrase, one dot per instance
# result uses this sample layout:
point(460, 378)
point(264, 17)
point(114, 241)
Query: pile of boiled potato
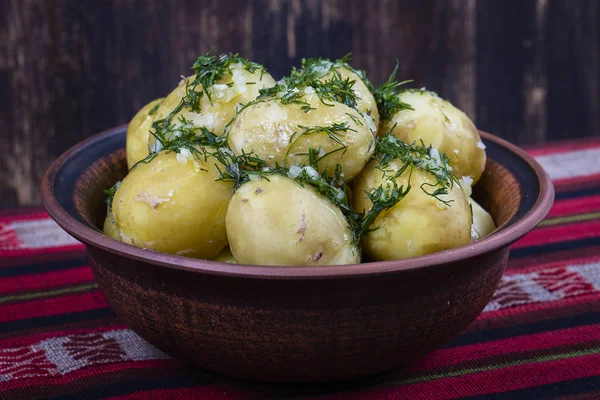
point(315, 169)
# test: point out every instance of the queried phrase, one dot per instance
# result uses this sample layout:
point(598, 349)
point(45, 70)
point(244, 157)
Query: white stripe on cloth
point(572, 164)
point(63, 354)
point(41, 233)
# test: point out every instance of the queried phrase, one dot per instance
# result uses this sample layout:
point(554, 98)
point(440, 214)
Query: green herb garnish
point(387, 97)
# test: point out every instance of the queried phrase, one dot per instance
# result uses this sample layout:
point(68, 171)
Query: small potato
point(110, 227)
point(273, 130)
point(238, 88)
point(225, 256)
point(138, 132)
point(366, 104)
point(483, 224)
point(174, 204)
point(278, 222)
point(438, 123)
point(417, 225)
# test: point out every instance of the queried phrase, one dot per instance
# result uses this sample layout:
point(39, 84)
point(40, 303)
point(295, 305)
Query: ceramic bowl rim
point(501, 239)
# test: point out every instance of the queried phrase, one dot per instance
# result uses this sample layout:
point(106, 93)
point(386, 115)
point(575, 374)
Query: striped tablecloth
point(539, 337)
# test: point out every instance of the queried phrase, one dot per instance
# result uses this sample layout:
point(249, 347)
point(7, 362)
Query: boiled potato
point(366, 104)
point(417, 225)
point(438, 123)
point(273, 130)
point(483, 224)
point(225, 256)
point(138, 132)
point(174, 204)
point(110, 227)
point(238, 88)
point(304, 229)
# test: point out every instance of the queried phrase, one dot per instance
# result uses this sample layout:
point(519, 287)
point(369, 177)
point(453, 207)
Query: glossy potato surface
point(175, 205)
point(238, 88)
point(419, 224)
point(443, 126)
point(278, 222)
point(366, 104)
point(271, 130)
point(138, 133)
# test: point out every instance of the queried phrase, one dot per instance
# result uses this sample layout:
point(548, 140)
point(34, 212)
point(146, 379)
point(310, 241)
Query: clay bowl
point(295, 323)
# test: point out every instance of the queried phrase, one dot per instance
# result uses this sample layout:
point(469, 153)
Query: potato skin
point(443, 126)
point(417, 225)
point(138, 133)
point(267, 128)
point(110, 227)
point(174, 204)
point(365, 103)
point(305, 229)
point(483, 224)
point(225, 99)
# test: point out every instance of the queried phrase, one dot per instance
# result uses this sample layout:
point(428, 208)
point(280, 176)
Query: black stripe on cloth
point(525, 329)
point(584, 192)
point(548, 391)
point(552, 247)
point(52, 320)
point(43, 267)
point(134, 386)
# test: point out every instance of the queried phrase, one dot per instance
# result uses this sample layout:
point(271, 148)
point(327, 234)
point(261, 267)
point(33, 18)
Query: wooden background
point(527, 70)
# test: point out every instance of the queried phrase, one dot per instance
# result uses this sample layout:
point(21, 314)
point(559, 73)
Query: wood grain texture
point(526, 70)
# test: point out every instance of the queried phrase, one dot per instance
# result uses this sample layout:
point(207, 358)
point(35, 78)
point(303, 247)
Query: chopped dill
point(110, 195)
point(334, 132)
point(291, 89)
point(154, 109)
point(424, 158)
point(387, 97)
point(208, 70)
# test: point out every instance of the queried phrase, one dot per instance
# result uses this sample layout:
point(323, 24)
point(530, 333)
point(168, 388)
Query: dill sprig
point(208, 70)
point(183, 134)
point(335, 132)
point(387, 96)
point(154, 109)
point(382, 198)
point(110, 195)
point(290, 90)
point(417, 156)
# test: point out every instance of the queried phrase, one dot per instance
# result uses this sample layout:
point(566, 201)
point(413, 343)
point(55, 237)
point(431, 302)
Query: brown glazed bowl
point(295, 323)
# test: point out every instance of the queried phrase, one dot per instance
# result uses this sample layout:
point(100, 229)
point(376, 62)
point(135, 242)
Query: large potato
point(438, 123)
point(417, 225)
point(138, 132)
point(175, 205)
point(365, 103)
point(240, 87)
point(304, 229)
point(483, 224)
point(273, 130)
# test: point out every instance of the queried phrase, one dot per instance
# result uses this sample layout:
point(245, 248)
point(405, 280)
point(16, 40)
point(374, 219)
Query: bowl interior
point(509, 188)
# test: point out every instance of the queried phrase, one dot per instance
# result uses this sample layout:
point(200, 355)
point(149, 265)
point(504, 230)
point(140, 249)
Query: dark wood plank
point(573, 68)
point(501, 58)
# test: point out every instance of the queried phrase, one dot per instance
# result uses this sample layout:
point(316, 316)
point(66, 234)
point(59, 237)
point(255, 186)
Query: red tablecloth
point(539, 337)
